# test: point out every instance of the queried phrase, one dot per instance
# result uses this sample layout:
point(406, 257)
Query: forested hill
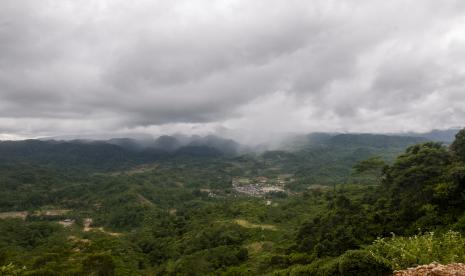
point(96, 154)
point(312, 140)
point(117, 153)
point(374, 140)
point(417, 214)
point(321, 158)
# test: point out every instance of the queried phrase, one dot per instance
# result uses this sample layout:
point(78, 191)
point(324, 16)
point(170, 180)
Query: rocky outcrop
point(434, 269)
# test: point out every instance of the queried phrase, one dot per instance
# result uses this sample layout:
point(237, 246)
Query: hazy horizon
point(279, 141)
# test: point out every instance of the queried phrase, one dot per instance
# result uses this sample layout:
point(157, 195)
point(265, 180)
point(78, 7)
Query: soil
point(434, 269)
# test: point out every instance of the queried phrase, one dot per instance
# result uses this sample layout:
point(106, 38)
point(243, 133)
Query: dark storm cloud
point(118, 66)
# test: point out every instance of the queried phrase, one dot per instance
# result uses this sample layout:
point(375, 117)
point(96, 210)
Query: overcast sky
point(244, 68)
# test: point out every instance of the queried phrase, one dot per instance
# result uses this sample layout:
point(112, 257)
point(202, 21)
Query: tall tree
point(458, 146)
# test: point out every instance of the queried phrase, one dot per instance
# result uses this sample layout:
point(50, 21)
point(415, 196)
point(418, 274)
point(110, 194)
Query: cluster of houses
point(258, 186)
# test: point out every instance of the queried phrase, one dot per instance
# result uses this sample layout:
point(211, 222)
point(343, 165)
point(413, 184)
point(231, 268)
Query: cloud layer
point(248, 68)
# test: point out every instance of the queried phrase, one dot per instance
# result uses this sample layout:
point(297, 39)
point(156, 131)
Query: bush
point(10, 269)
point(403, 252)
point(361, 262)
point(101, 264)
point(354, 262)
point(326, 267)
point(300, 258)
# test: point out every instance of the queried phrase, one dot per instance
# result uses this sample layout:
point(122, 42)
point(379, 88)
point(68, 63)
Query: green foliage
point(419, 166)
point(403, 252)
point(324, 266)
point(347, 226)
point(361, 262)
point(101, 264)
point(127, 216)
point(351, 263)
point(458, 146)
point(180, 215)
point(26, 234)
point(11, 270)
point(417, 178)
point(370, 164)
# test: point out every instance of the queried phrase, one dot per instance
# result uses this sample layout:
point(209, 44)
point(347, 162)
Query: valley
point(331, 206)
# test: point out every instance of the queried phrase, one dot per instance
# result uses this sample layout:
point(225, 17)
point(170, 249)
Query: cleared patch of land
point(24, 214)
point(66, 222)
point(51, 213)
point(87, 228)
point(137, 170)
point(21, 215)
point(257, 247)
point(247, 224)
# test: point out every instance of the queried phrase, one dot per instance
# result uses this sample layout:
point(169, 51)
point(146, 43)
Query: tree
point(101, 264)
point(371, 169)
point(415, 180)
point(373, 164)
point(361, 262)
point(458, 146)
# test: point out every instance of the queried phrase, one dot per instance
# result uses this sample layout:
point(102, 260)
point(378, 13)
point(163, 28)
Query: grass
point(403, 252)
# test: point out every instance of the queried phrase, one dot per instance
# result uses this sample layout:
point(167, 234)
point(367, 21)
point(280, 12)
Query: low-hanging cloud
point(256, 67)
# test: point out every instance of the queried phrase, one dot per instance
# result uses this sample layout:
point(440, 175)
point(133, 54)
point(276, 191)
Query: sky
point(243, 69)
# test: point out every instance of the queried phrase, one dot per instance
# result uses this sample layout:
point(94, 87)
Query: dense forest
point(334, 205)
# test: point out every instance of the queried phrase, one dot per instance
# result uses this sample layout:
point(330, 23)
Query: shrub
point(354, 262)
point(10, 269)
point(402, 252)
point(361, 262)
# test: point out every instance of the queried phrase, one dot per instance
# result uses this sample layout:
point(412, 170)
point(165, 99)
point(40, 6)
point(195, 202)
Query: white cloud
point(251, 67)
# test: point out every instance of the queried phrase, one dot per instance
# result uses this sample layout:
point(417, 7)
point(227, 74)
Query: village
point(260, 185)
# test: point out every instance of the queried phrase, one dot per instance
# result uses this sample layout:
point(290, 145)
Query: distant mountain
point(119, 152)
point(198, 151)
point(95, 154)
point(165, 142)
point(296, 142)
point(374, 140)
point(225, 146)
point(127, 143)
point(176, 143)
point(311, 140)
point(112, 153)
point(444, 135)
point(328, 158)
